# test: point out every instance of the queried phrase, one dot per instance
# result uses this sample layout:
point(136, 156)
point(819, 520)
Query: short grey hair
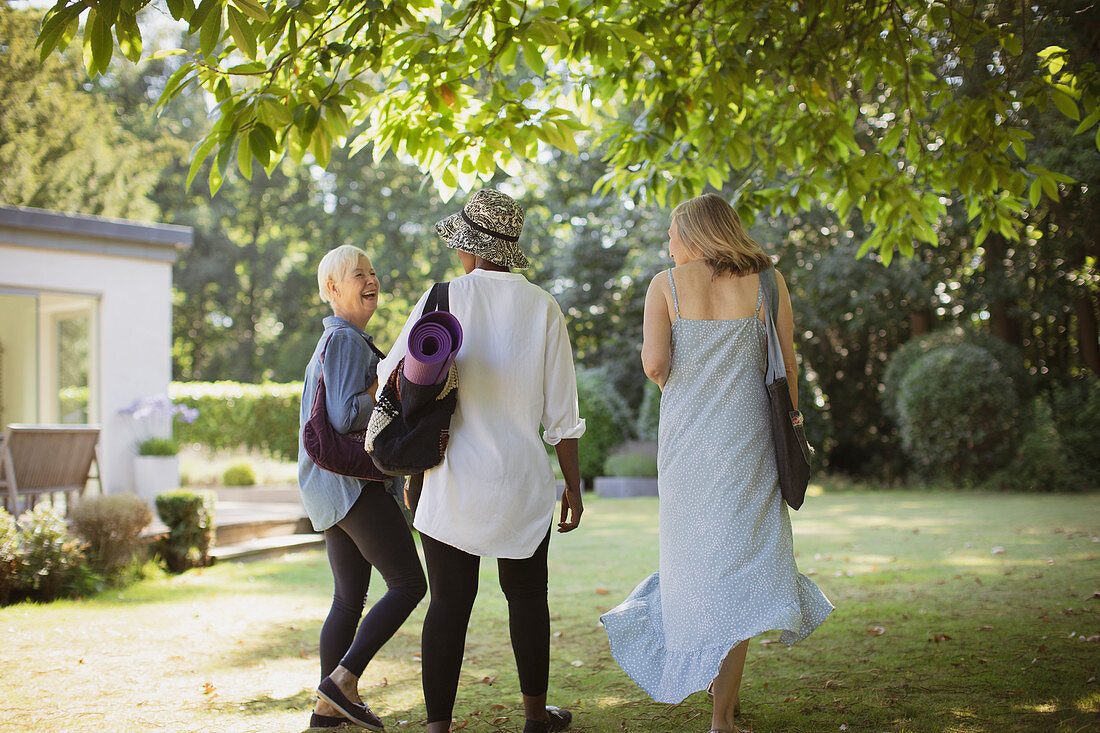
point(336, 265)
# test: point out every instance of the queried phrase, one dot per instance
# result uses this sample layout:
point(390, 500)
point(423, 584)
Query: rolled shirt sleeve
point(561, 416)
point(349, 369)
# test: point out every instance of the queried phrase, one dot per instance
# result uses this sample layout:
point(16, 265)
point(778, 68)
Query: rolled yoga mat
point(433, 343)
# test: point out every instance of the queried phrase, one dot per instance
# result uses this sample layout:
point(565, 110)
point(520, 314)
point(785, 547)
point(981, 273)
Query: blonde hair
point(709, 226)
point(336, 265)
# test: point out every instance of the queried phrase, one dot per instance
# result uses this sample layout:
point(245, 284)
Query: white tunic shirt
point(494, 493)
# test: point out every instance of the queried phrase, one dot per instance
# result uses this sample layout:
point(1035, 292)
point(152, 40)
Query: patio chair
point(46, 459)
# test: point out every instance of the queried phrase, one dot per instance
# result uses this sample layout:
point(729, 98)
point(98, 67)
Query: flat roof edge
point(168, 235)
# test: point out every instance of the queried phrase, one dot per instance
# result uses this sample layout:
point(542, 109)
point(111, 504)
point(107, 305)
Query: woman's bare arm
point(657, 332)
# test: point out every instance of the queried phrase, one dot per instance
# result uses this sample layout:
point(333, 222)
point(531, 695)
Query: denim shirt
point(350, 367)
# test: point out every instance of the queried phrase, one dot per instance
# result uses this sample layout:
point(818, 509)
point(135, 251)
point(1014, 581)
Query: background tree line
point(246, 306)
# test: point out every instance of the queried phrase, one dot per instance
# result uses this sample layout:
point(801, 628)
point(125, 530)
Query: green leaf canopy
point(892, 109)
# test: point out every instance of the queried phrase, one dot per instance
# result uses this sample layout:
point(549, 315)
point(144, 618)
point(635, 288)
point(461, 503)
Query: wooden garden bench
point(46, 459)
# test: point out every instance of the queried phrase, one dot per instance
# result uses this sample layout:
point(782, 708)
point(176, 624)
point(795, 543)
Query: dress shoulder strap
point(675, 301)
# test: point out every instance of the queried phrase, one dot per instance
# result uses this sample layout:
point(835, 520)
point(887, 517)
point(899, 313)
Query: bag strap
point(377, 351)
point(438, 299)
point(776, 367)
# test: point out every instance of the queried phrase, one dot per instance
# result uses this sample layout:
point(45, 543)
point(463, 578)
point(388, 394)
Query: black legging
point(452, 575)
point(373, 533)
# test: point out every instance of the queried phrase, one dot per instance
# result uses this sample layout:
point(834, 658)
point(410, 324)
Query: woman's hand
point(572, 506)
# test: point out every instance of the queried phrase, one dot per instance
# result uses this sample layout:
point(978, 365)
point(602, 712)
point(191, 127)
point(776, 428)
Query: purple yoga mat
point(433, 343)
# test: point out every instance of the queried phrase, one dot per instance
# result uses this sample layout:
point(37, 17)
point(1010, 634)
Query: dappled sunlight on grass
point(933, 632)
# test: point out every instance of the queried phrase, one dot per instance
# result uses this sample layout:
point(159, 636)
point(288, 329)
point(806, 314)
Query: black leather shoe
point(326, 721)
point(361, 715)
point(559, 720)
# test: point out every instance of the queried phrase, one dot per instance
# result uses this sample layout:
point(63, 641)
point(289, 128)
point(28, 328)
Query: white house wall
point(134, 326)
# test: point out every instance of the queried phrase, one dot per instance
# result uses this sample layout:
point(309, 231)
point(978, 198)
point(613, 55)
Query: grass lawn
point(955, 612)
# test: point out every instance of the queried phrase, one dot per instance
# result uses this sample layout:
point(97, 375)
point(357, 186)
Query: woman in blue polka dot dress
point(726, 571)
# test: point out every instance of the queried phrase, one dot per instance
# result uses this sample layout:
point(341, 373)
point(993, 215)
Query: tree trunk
point(1087, 332)
point(1003, 325)
point(920, 322)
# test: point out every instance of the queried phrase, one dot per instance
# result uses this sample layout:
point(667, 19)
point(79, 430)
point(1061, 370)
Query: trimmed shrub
point(606, 416)
point(234, 415)
point(239, 474)
point(901, 361)
point(111, 525)
point(54, 564)
point(10, 560)
point(1040, 463)
point(189, 516)
point(631, 465)
point(959, 413)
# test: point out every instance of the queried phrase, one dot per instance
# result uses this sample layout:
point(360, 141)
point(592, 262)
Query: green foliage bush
point(53, 563)
point(158, 447)
point(10, 560)
point(1075, 408)
point(111, 525)
point(234, 415)
point(649, 413)
point(901, 361)
point(239, 474)
point(631, 465)
point(958, 413)
point(1040, 463)
point(189, 516)
point(607, 417)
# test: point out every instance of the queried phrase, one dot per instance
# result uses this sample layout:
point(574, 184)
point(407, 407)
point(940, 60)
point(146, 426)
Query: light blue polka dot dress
point(726, 571)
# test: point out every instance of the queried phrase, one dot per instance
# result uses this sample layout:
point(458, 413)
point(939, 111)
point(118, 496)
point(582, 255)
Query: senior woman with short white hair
point(363, 524)
point(494, 493)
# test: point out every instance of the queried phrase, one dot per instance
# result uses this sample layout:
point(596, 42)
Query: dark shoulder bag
point(409, 429)
point(333, 451)
point(792, 451)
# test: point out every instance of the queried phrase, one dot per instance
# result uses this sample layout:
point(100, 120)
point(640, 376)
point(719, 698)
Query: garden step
point(264, 547)
point(243, 530)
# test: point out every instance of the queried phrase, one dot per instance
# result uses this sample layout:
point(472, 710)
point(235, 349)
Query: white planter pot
point(154, 475)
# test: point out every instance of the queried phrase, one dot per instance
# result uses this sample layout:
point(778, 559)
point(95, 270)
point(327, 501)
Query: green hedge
point(607, 420)
point(232, 415)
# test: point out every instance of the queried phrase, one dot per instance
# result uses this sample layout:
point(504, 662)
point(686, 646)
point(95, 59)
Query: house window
point(49, 358)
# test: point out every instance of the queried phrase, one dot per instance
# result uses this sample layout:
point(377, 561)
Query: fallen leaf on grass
point(789, 699)
point(998, 551)
point(985, 627)
point(843, 726)
point(1090, 680)
point(208, 689)
point(602, 591)
point(496, 708)
point(876, 630)
point(1042, 649)
point(501, 719)
point(486, 680)
point(768, 642)
point(1094, 596)
point(577, 663)
point(940, 637)
point(1094, 638)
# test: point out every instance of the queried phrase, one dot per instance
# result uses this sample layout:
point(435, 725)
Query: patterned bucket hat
point(488, 226)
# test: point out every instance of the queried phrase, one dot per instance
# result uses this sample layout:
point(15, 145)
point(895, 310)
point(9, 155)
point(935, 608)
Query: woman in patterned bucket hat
point(493, 494)
point(488, 226)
